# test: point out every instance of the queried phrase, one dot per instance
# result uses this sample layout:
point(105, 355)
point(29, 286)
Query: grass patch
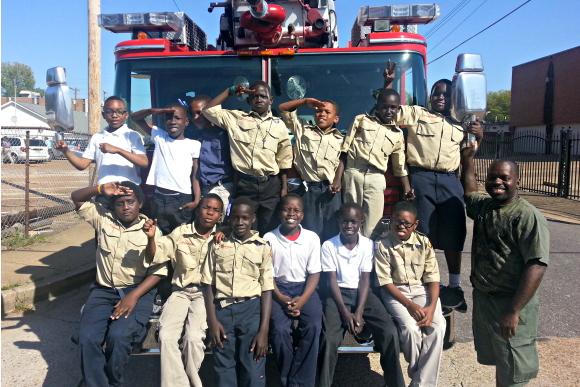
point(17, 240)
point(11, 286)
point(23, 308)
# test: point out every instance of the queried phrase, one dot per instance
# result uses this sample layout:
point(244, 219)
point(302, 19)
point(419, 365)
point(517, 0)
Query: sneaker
point(451, 297)
point(462, 308)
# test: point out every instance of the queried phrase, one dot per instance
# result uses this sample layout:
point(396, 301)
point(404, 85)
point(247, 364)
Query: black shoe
point(451, 297)
point(462, 308)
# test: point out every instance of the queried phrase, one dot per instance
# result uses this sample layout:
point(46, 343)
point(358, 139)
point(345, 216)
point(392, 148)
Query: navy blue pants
point(165, 208)
point(320, 208)
point(297, 365)
point(439, 201)
point(234, 363)
point(101, 368)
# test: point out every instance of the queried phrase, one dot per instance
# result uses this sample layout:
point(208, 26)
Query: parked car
point(38, 150)
point(53, 154)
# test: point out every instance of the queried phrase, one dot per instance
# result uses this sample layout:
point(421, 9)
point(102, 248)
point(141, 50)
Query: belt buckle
point(262, 179)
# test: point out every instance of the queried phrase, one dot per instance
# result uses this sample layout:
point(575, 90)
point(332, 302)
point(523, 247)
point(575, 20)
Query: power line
point(486, 28)
point(464, 20)
point(443, 19)
point(176, 6)
point(459, 8)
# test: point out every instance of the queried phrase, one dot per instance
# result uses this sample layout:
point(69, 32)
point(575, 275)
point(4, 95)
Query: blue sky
point(44, 34)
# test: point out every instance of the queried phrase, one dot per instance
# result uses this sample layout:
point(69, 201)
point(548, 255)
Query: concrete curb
point(47, 289)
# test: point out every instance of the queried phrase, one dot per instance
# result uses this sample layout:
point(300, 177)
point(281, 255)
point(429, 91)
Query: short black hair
point(384, 93)
point(290, 196)
point(211, 196)
point(177, 105)
point(333, 103)
point(202, 98)
point(405, 207)
point(447, 82)
point(350, 206)
point(114, 98)
point(132, 186)
point(510, 162)
point(243, 201)
point(261, 83)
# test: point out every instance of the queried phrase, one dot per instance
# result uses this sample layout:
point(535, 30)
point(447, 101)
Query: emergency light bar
point(399, 14)
point(128, 22)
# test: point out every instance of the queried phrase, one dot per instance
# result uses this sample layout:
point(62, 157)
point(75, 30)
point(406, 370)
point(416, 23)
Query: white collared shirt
point(114, 167)
point(348, 264)
point(293, 261)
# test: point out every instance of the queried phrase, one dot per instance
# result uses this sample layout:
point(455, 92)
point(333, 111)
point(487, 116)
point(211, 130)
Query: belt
point(366, 167)
point(318, 183)
point(421, 169)
point(260, 179)
point(166, 194)
point(234, 300)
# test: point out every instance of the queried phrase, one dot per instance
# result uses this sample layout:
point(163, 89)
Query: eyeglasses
point(404, 224)
point(109, 112)
point(291, 211)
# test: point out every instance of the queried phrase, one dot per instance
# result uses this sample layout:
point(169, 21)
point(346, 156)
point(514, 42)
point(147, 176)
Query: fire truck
point(293, 45)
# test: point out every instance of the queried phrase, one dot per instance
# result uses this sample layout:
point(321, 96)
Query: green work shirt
point(505, 238)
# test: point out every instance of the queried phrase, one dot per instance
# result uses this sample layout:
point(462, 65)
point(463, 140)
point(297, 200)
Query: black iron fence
point(547, 165)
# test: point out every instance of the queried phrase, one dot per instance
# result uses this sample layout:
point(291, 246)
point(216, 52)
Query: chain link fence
point(36, 195)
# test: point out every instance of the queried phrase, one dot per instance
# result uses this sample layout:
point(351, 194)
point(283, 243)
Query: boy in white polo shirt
point(174, 167)
point(296, 269)
point(347, 260)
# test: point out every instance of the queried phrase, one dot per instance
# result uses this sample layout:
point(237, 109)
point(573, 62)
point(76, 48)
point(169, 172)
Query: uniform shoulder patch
point(376, 246)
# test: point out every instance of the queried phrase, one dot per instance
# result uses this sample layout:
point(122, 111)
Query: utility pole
point(105, 92)
point(75, 90)
point(94, 67)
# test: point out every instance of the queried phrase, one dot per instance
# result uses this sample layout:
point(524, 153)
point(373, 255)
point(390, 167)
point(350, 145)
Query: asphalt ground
point(37, 351)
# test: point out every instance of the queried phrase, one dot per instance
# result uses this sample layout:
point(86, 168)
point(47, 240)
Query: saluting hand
point(163, 112)
point(115, 188)
point(240, 89)
point(389, 73)
point(150, 227)
point(314, 103)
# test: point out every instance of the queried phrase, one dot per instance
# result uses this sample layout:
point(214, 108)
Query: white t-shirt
point(114, 167)
point(292, 261)
point(172, 161)
point(348, 264)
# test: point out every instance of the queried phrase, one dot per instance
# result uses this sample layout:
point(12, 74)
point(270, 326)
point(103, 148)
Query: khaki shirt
point(369, 141)
point(239, 269)
point(121, 258)
point(317, 153)
point(186, 249)
point(259, 147)
point(434, 141)
point(410, 262)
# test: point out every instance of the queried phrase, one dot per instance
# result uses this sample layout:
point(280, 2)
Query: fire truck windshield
point(348, 78)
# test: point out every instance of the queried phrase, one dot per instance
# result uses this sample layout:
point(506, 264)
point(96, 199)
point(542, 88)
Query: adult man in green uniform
point(508, 260)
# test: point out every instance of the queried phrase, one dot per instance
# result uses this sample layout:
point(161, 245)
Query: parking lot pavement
point(37, 351)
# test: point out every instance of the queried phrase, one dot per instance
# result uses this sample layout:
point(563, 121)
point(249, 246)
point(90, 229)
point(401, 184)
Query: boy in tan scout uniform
point(260, 147)
point(317, 160)
point(183, 320)
point(238, 299)
point(434, 143)
point(409, 276)
point(369, 142)
point(121, 299)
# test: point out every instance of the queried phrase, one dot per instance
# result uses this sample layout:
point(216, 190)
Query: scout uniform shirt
point(434, 141)
point(410, 262)
point(121, 258)
point(505, 238)
point(369, 142)
point(186, 249)
point(239, 269)
point(317, 153)
point(259, 146)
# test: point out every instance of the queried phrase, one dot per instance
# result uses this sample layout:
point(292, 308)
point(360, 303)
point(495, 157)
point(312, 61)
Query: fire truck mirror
point(59, 113)
point(468, 89)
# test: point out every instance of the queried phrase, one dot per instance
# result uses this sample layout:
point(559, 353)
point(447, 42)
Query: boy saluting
point(318, 162)
point(260, 145)
point(238, 300)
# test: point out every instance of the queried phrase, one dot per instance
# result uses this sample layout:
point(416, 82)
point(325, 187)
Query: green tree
point(19, 73)
point(499, 105)
point(39, 91)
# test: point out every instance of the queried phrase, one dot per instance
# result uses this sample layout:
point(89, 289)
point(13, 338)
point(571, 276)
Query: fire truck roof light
point(128, 22)
point(403, 14)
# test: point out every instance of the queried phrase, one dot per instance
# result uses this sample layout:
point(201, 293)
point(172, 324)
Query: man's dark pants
point(297, 366)
point(320, 208)
point(105, 367)
point(234, 363)
point(384, 332)
point(440, 207)
point(165, 208)
point(265, 195)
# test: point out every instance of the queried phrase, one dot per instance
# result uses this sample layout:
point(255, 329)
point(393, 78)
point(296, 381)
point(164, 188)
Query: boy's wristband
point(233, 90)
point(99, 189)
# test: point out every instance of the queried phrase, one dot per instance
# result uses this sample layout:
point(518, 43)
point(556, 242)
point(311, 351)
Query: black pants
point(105, 367)
point(234, 363)
point(165, 208)
point(320, 208)
point(384, 333)
point(266, 196)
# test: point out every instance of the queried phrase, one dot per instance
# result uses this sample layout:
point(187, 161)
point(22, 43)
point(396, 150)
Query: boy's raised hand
point(150, 227)
point(470, 151)
point(240, 89)
point(314, 103)
point(115, 188)
point(389, 73)
point(163, 112)
point(125, 305)
point(61, 146)
point(475, 129)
